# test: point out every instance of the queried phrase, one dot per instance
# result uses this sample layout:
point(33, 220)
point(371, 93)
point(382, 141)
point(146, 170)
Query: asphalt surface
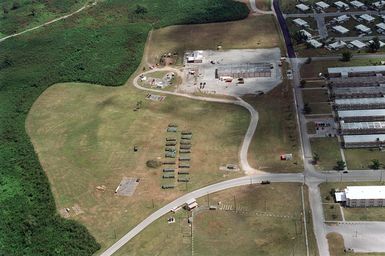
point(284, 29)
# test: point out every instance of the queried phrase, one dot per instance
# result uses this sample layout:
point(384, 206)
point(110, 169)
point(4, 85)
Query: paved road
point(87, 5)
point(199, 193)
point(284, 29)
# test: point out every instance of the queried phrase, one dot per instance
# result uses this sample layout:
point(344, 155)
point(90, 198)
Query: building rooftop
point(360, 101)
point(322, 5)
point(342, 18)
point(367, 17)
point(300, 22)
point(359, 90)
point(341, 29)
point(357, 4)
point(341, 4)
point(363, 28)
point(365, 192)
point(361, 113)
point(363, 138)
point(302, 7)
point(356, 69)
point(358, 44)
point(362, 125)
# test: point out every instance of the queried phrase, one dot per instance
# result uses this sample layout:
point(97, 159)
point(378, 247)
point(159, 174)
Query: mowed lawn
point(252, 32)
point(362, 158)
point(276, 132)
point(328, 151)
point(219, 232)
point(84, 136)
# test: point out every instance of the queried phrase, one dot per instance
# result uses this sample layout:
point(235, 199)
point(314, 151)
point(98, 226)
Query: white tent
point(322, 5)
point(363, 29)
point(358, 44)
point(302, 7)
point(340, 29)
point(357, 4)
point(367, 17)
point(314, 43)
point(341, 5)
point(300, 22)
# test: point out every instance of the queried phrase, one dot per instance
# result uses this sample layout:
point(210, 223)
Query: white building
point(342, 18)
point(307, 34)
point(380, 27)
point(340, 29)
point(379, 4)
point(358, 44)
point(302, 7)
point(364, 141)
point(357, 4)
point(367, 18)
point(322, 5)
point(341, 5)
point(363, 29)
point(336, 45)
point(301, 23)
point(362, 196)
point(195, 57)
point(314, 43)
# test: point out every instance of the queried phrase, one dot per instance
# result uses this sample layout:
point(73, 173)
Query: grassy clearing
point(352, 214)
point(104, 45)
point(229, 233)
point(311, 128)
point(276, 132)
point(312, 69)
point(88, 143)
point(320, 108)
point(362, 158)
point(332, 212)
point(230, 35)
point(20, 15)
point(328, 150)
point(315, 84)
point(315, 95)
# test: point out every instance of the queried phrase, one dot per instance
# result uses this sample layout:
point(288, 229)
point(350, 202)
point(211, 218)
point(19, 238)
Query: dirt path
point(86, 6)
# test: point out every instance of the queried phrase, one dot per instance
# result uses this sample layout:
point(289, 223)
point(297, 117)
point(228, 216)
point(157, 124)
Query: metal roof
point(379, 68)
point(362, 125)
point(363, 138)
point(365, 192)
point(359, 90)
point(360, 101)
point(361, 113)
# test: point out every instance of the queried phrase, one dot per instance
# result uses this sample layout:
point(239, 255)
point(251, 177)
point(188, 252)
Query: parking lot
point(254, 71)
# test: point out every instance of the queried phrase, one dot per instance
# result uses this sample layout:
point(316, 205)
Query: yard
point(315, 95)
point(230, 35)
point(328, 150)
point(276, 132)
point(362, 158)
point(229, 232)
point(84, 135)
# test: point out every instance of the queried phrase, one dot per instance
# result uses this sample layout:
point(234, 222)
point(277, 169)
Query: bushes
point(105, 49)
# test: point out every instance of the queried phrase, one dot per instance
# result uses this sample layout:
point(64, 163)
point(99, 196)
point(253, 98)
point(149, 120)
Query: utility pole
point(208, 200)
point(235, 204)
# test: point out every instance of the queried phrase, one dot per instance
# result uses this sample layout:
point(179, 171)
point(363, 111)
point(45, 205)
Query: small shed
point(358, 44)
point(302, 7)
point(364, 29)
point(301, 23)
point(367, 18)
point(322, 5)
point(340, 29)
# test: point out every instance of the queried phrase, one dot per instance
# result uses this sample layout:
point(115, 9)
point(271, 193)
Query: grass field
point(332, 212)
point(320, 108)
point(328, 151)
point(336, 247)
point(234, 233)
point(230, 35)
point(19, 15)
point(88, 142)
point(104, 45)
point(276, 132)
point(362, 158)
point(352, 214)
point(315, 95)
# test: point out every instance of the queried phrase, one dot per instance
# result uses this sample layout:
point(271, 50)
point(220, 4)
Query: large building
point(360, 103)
point(356, 71)
point(362, 196)
point(362, 128)
point(244, 70)
point(364, 141)
point(365, 115)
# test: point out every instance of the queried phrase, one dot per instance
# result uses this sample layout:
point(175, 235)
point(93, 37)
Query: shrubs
point(153, 163)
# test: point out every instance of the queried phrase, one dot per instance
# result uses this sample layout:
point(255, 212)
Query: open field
point(230, 35)
point(312, 69)
point(328, 151)
point(104, 45)
point(220, 232)
point(362, 158)
point(336, 247)
point(88, 142)
point(332, 212)
point(315, 95)
point(277, 126)
point(20, 15)
point(320, 108)
point(352, 214)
